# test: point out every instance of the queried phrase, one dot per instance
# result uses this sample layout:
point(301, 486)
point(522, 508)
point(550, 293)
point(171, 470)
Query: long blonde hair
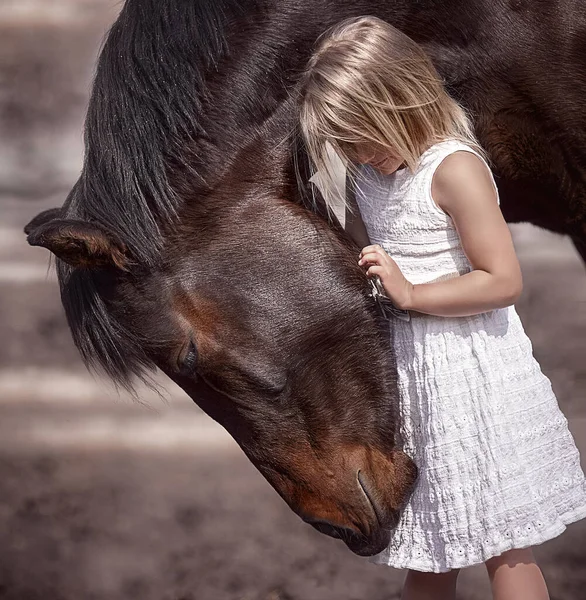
point(368, 81)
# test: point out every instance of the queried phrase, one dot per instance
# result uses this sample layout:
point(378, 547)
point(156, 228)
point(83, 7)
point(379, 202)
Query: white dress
point(498, 467)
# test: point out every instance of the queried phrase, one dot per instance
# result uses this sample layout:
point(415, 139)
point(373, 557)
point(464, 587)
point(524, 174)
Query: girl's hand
point(378, 262)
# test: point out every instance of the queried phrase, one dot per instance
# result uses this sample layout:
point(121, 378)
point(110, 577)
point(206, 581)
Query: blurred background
point(105, 498)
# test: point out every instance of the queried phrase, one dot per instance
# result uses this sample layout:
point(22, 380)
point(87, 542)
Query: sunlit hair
point(365, 82)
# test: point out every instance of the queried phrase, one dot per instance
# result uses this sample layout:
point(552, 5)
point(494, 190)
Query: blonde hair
point(367, 81)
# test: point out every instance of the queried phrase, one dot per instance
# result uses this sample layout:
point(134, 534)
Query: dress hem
point(486, 552)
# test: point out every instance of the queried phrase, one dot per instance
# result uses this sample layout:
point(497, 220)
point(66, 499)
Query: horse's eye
point(189, 362)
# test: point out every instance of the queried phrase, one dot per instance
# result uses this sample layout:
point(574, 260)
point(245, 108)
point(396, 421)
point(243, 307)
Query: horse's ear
point(42, 218)
point(80, 244)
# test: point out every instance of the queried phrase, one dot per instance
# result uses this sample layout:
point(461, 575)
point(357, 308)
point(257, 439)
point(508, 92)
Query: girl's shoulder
point(457, 157)
point(437, 152)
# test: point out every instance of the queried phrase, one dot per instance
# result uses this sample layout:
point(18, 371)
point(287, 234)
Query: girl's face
point(380, 158)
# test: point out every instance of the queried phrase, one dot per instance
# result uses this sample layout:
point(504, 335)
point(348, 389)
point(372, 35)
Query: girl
point(498, 469)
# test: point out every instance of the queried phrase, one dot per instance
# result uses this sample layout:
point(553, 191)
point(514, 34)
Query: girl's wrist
point(408, 300)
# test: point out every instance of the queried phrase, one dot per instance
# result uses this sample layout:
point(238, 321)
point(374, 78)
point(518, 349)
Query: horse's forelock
point(106, 344)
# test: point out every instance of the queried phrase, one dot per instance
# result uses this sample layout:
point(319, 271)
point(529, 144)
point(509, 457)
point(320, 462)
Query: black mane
point(144, 110)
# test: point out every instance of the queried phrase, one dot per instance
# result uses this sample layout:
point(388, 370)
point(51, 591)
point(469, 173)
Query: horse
point(192, 241)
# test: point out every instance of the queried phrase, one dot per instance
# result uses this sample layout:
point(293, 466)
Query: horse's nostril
point(375, 508)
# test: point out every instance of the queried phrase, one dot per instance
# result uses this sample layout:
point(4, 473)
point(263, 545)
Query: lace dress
point(498, 467)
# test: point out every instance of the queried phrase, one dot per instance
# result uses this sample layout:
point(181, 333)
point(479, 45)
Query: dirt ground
point(105, 499)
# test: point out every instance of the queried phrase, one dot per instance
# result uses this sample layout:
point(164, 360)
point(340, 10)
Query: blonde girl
point(498, 469)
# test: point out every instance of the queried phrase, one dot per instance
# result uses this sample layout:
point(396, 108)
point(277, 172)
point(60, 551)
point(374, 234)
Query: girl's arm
point(463, 188)
point(353, 222)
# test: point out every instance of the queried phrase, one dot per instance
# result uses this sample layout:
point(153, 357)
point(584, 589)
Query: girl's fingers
point(370, 257)
point(375, 270)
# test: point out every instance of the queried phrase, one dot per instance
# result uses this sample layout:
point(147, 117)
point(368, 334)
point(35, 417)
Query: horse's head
point(261, 314)
point(185, 246)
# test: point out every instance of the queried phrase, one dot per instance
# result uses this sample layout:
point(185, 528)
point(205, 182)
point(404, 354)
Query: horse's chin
point(371, 547)
point(356, 542)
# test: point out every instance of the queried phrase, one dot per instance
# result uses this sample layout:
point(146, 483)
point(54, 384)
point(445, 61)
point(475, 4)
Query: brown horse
point(187, 245)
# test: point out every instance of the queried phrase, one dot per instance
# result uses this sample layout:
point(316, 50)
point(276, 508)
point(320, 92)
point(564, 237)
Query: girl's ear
point(79, 243)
